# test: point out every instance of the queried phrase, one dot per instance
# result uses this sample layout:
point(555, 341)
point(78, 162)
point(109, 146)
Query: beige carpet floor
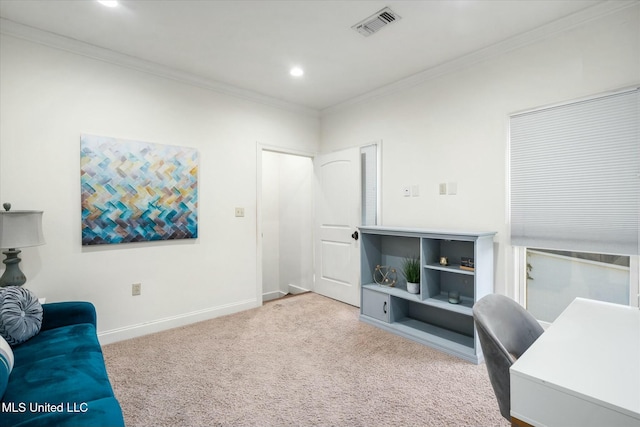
point(301, 361)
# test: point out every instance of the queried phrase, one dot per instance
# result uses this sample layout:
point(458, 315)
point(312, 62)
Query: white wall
point(270, 225)
point(455, 128)
point(296, 222)
point(287, 221)
point(48, 97)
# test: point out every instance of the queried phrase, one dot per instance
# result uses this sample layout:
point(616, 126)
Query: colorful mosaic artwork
point(136, 191)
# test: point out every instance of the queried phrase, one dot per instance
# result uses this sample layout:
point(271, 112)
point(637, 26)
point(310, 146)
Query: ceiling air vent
point(375, 22)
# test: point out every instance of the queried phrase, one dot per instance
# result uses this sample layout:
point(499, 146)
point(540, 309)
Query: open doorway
point(286, 211)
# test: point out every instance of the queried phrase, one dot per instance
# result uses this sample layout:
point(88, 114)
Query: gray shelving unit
point(428, 317)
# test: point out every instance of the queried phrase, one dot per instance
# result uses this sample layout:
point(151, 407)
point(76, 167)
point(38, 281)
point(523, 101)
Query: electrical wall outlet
point(136, 289)
point(239, 212)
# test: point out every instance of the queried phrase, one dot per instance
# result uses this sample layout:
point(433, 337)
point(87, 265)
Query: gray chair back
point(506, 330)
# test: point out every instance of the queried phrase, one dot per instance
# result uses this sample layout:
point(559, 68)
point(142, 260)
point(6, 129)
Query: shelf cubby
point(427, 317)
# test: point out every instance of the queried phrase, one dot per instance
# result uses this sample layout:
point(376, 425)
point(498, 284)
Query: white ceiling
point(252, 44)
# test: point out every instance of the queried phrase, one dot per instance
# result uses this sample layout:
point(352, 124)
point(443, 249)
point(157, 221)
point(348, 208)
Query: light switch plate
point(239, 212)
point(136, 289)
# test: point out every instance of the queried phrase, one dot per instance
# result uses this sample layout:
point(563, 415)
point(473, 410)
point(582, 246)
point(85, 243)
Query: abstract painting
point(137, 191)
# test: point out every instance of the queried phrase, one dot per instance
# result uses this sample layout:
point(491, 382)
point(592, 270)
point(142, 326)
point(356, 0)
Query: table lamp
point(18, 229)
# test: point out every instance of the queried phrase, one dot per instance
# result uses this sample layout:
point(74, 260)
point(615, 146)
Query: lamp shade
point(20, 229)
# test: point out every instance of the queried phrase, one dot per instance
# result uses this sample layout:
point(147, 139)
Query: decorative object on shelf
point(444, 260)
point(18, 229)
point(385, 276)
point(467, 263)
point(136, 191)
point(413, 288)
point(454, 297)
point(411, 271)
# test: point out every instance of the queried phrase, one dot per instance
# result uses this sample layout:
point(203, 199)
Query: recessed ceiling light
point(108, 3)
point(296, 72)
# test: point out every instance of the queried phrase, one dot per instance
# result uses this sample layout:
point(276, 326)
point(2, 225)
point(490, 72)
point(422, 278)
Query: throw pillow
point(20, 314)
point(6, 364)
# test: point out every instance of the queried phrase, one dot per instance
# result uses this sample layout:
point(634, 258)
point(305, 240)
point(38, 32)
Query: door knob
point(355, 235)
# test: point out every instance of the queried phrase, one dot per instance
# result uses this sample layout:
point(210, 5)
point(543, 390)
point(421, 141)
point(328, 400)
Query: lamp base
point(12, 276)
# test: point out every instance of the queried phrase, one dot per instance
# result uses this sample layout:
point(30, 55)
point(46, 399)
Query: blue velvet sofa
point(59, 376)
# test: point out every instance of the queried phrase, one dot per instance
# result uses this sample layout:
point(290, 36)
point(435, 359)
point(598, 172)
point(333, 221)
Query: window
point(555, 278)
point(575, 199)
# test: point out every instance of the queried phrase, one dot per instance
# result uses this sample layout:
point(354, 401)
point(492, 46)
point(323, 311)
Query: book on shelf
point(467, 263)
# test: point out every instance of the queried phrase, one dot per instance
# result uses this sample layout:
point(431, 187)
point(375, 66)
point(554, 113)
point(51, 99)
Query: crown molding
point(46, 38)
point(546, 31)
point(35, 35)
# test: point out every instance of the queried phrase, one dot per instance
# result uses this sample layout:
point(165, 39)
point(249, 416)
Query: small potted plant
point(411, 271)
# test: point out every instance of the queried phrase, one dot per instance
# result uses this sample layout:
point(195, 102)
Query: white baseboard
point(293, 289)
point(133, 331)
point(268, 296)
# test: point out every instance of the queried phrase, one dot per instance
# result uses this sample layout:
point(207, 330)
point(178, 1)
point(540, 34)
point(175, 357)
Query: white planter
point(413, 288)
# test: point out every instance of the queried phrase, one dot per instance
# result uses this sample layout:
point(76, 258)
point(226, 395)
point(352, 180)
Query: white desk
point(582, 371)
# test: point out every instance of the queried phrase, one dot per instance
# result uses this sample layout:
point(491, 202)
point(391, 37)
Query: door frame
point(378, 144)
point(260, 148)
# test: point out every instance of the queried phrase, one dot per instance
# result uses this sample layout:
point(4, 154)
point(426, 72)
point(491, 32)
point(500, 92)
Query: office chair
point(506, 330)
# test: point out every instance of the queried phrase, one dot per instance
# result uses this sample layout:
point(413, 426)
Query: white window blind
point(575, 176)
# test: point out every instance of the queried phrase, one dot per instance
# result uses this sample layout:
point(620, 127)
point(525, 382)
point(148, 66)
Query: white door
point(337, 250)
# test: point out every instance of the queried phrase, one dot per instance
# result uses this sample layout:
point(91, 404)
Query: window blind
point(575, 176)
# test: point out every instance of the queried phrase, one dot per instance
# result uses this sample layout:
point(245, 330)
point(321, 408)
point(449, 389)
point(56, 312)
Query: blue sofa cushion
point(6, 364)
point(59, 379)
point(20, 314)
point(57, 314)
